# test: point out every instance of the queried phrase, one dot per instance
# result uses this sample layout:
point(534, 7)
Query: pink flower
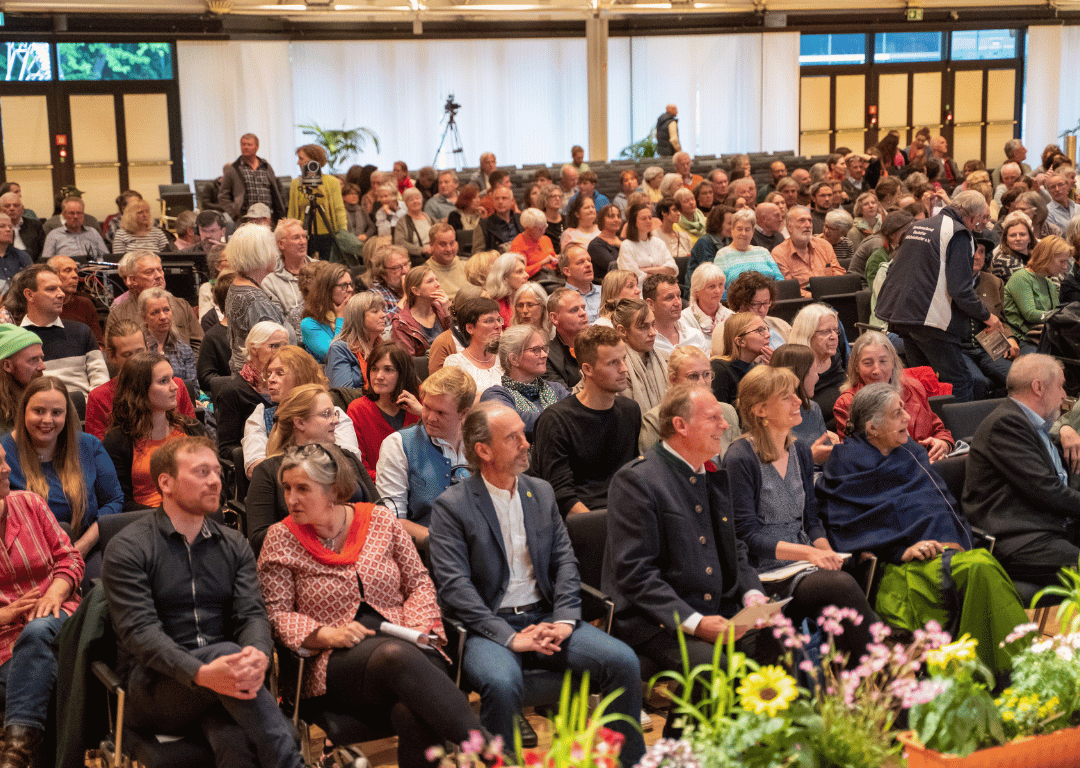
point(806, 666)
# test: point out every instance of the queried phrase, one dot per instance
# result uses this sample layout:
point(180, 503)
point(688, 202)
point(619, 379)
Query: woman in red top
point(390, 402)
point(423, 313)
point(39, 569)
point(533, 244)
point(332, 575)
point(874, 360)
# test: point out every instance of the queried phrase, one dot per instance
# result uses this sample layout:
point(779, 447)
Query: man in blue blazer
point(505, 568)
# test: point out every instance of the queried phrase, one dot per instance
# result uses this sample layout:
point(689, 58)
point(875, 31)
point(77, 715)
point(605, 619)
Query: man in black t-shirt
point(582, 440)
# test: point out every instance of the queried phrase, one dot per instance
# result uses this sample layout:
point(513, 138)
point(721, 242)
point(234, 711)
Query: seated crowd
point(407, 443)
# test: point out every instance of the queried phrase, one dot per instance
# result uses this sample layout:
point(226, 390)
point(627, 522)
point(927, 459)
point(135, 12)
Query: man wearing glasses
point(419, 463)
point(282, 283)
point(802, 255)
point(928, 297)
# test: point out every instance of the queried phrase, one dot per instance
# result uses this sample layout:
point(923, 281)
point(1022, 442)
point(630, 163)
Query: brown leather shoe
point(19, 745)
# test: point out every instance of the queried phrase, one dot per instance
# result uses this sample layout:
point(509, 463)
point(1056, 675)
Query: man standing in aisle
point(667, 132)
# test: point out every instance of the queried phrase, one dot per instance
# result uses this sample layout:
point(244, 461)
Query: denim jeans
point(495, 672)
point(242, 732)
point(28, 677)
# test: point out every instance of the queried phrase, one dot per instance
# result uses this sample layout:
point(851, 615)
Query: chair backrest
point(953, 471)
point(588, 536)
point(420, 365)
point(241, 473)
point(962, 419)
point(832, 285)
point(110, 525)
point(788, 289)
point(862, 304)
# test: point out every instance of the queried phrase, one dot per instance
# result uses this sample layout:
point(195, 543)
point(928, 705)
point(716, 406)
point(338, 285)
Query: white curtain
point(524, 100)
point(228, 89)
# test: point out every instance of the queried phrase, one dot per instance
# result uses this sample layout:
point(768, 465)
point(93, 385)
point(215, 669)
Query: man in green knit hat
point(21, 360)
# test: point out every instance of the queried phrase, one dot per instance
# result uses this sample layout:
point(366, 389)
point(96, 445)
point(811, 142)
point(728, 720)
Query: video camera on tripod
point(451, 106)
point(311, 178)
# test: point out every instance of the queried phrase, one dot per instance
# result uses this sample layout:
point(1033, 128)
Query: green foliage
point(960, 720)
point(1069, 591)
point(640, 149)
point(115, 61)
point(340, 144)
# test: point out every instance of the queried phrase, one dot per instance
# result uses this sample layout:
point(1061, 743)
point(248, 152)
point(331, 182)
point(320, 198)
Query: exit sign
point(914, 14)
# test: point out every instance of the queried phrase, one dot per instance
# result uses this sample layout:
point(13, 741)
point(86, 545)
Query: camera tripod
point(450, 129)
point(309, 220)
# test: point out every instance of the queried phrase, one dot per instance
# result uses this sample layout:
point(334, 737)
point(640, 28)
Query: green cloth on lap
point(910, 595)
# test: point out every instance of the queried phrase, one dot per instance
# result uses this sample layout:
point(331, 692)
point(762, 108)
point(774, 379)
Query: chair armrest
point(108, 678)
point(984, 539)
point(597, 605)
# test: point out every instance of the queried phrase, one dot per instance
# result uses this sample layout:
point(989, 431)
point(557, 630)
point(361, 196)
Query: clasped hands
point(239, 675)
point(544, 638)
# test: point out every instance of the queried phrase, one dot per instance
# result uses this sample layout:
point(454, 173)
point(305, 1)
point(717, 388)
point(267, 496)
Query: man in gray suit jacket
point(1017, 485)
point(504, 567)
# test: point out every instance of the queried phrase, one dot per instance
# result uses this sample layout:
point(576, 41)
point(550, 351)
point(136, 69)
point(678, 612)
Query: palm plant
point(340, 144)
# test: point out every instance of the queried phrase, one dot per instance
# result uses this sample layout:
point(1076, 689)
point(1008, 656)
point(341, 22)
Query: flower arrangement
point(1045, 692)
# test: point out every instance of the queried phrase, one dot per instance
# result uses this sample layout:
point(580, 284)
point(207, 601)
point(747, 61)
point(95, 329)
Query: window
point(984, 44)
point(892, 47)
point(832, 49)
point(115, 61)
point(25, 62)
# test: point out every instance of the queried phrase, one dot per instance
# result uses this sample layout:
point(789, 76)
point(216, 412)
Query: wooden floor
point(383, 753)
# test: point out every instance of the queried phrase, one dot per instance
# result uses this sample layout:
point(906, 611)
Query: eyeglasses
point(328, 414)
point(828, 332)
point(762, 331)
point(760, 304)
point(702, 376)
point(539, 350)
point(398, 268)
point(347, 285)
point(527, 304)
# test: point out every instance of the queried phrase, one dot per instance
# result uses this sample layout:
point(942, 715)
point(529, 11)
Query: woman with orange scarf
point(343, 581)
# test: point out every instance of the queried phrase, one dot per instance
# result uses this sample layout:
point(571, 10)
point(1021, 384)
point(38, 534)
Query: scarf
point(531, 397)
point(249, 374)
point(695, 228)
point(706, 323)
point(648, 380)
point(868, 227)
point(354, 541)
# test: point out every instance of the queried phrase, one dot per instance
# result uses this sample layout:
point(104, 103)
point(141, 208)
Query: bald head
point(1037, 381)
point(768, 217)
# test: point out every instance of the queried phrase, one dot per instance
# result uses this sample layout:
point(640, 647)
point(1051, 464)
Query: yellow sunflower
point(959, 651)
point(768, 690)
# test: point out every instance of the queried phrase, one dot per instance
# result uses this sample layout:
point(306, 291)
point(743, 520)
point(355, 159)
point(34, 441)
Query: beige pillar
point(596, 42)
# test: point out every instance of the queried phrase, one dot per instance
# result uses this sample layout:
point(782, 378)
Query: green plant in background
point(340, 144)
point(1069, 592)
point(640, 149)
point(115, 61)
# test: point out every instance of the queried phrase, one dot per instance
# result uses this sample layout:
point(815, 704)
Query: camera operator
point(313, 187)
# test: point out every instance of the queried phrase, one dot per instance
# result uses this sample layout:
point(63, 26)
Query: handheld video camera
point(311, 178)
point(451, 106)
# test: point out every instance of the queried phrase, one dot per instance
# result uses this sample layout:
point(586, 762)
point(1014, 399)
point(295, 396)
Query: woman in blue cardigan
point(50, 456)
point(771, 477)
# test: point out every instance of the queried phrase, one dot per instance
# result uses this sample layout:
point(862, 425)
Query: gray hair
point(671, 183)
point(703, 275)
point(744, 214)
point(259, 336)
point(969, 203)
point(449, 172)
point(1027, 369)
point(532, 217)
point(152, 294)
point(806, 322)
point(477, 429)
point(541, 296)
point(325, 464)
point(1011, 146)
point(252, 248)
point(411, 192)
point(499, 271)
point(840, 219)
point(513, 341)
point(129, 263)
point(652, 172)
point(869, 405)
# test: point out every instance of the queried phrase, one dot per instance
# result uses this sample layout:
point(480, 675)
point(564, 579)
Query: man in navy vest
point(418, 463)
point(667, 132)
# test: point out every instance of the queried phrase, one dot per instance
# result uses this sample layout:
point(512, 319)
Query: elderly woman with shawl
point(881, 496)
point(523, 351)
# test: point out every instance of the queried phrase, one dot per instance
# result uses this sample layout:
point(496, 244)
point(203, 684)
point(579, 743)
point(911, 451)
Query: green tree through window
point(115, 61)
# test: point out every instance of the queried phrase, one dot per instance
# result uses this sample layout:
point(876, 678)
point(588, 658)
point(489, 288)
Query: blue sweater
point(103, 493)
point(317, 336)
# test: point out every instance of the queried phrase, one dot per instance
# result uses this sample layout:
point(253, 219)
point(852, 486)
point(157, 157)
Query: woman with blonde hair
point(290, 367)
point(411, 230)
point(818, 326)
point(363, 324)
point(425, 314)
point(1031, 292)
point(508, 273)
point(691, 219)
point(648, 382)
point(706, 310)
point(745, 335)
point(137, 231)
point(306, 415)
point(1014, 250)
point(771, 476)
point(617, 284)
point(478, 266)
point(324, 304)
point(530, 308)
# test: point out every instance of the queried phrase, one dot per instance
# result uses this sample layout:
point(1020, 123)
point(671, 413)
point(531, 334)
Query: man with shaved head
point(768, 232)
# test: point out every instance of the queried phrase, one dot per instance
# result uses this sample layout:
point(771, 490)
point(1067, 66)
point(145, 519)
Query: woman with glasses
point(818, 326)
point(306, 416)
point(742, 256)
point(530, 308)
point(364, 323)
point(324, 305)
point(424, 312)
point(523, 352)
point(753, 292)
point(480, 325)
point(386, 273)
point(687, 365)
point(745, 335)
point(331, 573)
point(873, 361)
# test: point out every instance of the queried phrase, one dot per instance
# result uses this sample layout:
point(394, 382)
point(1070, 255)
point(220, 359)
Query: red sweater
point(924, 422)
point(371, 429)
point(100, 400)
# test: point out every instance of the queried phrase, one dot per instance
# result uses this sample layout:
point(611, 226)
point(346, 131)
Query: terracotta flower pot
point(1060, 749)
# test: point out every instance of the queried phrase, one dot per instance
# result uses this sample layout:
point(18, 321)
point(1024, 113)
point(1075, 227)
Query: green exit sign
point(914, 14)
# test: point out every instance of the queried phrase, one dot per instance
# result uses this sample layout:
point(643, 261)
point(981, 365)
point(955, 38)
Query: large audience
point(417, 389)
